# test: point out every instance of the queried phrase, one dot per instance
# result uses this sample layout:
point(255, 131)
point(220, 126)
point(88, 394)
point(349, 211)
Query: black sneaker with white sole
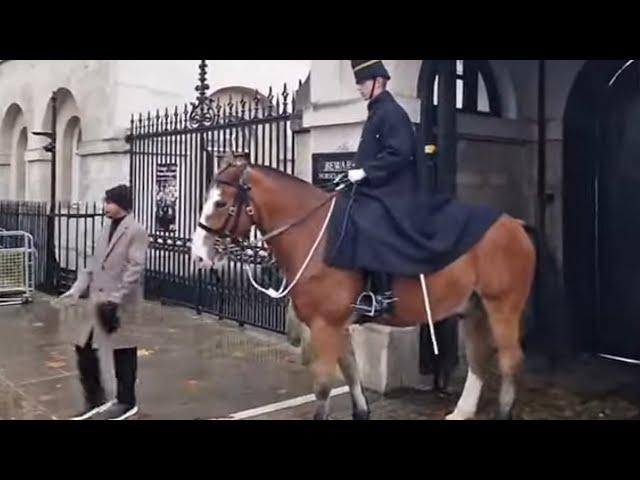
point(117, 411)
point(89, 412)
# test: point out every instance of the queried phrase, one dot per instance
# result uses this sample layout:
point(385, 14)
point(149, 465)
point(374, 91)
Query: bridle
point(226, 241)
point(242, 200)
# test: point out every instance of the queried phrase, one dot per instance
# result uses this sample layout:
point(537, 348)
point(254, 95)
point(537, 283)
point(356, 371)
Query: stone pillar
point(388, 358)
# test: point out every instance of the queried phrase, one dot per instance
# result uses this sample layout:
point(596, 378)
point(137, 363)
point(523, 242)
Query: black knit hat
point(365, 70)
point(120, 195)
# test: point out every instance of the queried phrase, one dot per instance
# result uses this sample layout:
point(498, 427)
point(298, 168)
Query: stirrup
point(376, 308)
point(362, 308)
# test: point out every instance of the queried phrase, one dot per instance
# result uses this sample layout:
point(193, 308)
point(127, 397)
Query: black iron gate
point(174, 155)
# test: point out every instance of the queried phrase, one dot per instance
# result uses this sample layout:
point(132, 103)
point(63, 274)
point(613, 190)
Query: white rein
point(282, 292)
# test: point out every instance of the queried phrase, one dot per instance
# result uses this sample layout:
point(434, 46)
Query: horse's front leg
point(351, 374)
point(328, 343)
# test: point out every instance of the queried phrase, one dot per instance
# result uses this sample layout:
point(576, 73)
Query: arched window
point(476, 90)
point(68, 158)
point(19, 177)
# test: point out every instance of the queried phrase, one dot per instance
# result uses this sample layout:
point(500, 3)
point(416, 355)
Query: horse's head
point(227, 214)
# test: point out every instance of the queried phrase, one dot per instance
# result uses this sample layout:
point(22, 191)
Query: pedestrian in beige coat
point(114, 278)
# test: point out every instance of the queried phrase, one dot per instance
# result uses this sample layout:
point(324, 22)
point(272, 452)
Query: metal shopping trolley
point(17, 267)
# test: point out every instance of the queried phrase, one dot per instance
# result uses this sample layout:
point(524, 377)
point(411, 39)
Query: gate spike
point(270, 102)
point(218, 108)
point(256, 102)
point(185, 115)
point(230, 108)
point(285, 96)
point(243, 106)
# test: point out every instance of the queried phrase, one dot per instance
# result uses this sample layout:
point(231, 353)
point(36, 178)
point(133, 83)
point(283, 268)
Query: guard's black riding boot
point(126, 367)
point(443, 365)
point(378, 299)
point(89, 370)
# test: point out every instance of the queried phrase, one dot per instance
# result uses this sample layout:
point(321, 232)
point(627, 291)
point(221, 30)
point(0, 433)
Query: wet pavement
point(189, 366)
point(588, 389)
point(197, 367)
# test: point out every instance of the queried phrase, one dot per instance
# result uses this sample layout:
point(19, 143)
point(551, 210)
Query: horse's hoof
point(458, 415)
point(319, 416)
point(443, 393)
point(504, 415)
point(362, 415)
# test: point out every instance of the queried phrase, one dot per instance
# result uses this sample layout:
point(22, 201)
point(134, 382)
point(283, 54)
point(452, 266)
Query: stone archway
point(13, 143)
point(601, 200)
point(19, 167)
point(69, 121)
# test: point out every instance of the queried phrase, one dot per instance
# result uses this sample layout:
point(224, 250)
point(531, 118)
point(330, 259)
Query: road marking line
point(274, 407)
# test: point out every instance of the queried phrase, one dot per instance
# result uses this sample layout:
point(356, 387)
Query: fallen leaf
point(143, 352)
point(192, 385)
point(54, 364)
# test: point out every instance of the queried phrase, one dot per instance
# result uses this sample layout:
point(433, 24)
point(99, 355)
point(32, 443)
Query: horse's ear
point(224, 159)
point(240, 159)
point(234, 159)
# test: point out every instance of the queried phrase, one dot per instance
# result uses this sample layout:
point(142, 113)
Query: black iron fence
point(170, 275)
point(76, 228)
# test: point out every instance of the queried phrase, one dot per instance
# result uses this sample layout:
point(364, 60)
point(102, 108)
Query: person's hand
point(70, 297)
point(356, 175)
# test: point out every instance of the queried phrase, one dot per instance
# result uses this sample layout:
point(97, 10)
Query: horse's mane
point(278, 174)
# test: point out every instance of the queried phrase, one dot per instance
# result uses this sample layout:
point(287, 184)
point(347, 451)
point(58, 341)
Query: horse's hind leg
point(504, 319)
point(478, 347)
point(349, 369)
point(328, 344)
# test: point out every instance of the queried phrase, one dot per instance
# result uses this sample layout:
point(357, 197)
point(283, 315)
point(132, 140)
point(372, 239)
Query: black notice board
point(327, 166)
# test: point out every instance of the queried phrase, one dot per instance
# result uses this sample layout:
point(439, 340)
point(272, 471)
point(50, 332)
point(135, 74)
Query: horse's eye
point(220, 204)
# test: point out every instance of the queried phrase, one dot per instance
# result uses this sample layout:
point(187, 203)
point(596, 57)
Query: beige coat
point(115, 273)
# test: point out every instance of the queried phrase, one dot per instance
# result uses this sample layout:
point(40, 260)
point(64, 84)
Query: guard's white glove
point(356, 175)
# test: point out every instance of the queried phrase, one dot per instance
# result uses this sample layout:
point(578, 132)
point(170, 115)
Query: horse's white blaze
point(209, 208)
point(202, 250)
point(468, 402)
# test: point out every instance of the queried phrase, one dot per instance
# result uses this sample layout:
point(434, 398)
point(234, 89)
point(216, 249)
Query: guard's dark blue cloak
point(391, 227)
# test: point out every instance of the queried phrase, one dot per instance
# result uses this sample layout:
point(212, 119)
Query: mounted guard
point(382, 225)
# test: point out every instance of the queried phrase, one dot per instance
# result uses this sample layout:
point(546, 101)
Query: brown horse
point(489, 285)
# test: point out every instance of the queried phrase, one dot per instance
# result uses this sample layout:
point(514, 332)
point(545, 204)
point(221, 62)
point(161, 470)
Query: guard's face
point(364, 88)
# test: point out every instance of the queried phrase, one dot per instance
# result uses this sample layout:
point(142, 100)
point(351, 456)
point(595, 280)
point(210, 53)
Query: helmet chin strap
point(373, 87)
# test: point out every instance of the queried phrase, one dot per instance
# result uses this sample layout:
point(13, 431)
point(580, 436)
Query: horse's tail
point(548, 327)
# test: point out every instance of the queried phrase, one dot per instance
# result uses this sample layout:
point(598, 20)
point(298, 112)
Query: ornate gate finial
point(202, 113)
